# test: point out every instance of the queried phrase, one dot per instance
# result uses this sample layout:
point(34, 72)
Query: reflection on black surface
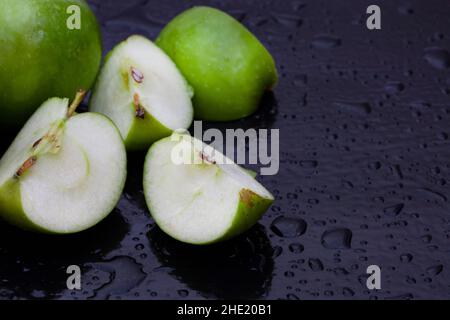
point(34, 265)
point(237, 269)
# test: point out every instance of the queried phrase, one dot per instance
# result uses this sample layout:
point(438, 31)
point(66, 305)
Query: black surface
point(365, 163)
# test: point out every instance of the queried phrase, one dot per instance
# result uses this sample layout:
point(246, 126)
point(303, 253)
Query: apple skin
point(225, 63)
point(250, 209)
point(12, 210)
point(144, 132)
point(40, 57)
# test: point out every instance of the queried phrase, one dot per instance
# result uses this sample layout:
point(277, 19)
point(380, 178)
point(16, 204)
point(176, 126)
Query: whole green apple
point(44, 54)
point(228, 68)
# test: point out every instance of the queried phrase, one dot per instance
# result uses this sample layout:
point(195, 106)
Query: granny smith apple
point(143, 92)
point(224, 62)
point(197, 195)
point(40, 57)
point(64, 172)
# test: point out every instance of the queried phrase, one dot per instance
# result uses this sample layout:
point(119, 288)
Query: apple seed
point(207, 159)
point(140, 112)
point(26, 165)
point(37, 143)
point(137, 75)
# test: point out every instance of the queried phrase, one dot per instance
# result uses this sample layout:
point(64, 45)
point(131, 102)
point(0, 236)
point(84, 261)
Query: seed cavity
point(139, 110)
point(25, 166)
point(137, 75)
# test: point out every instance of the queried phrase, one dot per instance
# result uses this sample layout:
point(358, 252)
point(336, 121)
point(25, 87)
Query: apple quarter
point(141, 90)
point(203, 201)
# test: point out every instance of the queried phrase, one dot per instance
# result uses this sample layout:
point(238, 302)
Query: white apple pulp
point(76, 176)
point(203, 201)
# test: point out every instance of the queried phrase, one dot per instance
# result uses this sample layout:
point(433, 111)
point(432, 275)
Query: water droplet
point(289, 274)
point(405, 10)
point(291, 296)
point(288, 227)
point(337, 238)
point(296, 248)
point(125, 271)
point(354, 107)
point(277, 251)
point(315, 264)
point(438, 58)
point(435, 270)
point(325, 42)
point(394, 87)
point(183, 293)
point(406, 257)
point(288, 20)
point(38, 294)
point(394, 210)
point(347, 292)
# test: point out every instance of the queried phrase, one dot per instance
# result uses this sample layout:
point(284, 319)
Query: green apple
point(225, 63)
point(41, 57)
point(141, 90)
point(197, 195)
point(64, 172)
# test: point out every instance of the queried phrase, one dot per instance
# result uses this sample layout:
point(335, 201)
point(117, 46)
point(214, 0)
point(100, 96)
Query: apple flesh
point(200, 201)
point(225, 63)
point(64, 172)
point(40, 57)
point(141, 90)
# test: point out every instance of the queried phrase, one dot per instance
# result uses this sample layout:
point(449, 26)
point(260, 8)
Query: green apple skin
point(144, 132)
point(249, 212)
point(40, 57)
point(224, 62)
point(12, 210)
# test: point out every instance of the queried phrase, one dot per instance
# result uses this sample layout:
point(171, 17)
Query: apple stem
point(76, 102)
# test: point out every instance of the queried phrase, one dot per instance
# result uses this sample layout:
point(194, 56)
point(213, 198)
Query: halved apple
point(141, 90)
point(64, 172)
point(197, 195)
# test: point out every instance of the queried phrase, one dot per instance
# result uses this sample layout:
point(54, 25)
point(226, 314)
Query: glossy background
point(364, 179)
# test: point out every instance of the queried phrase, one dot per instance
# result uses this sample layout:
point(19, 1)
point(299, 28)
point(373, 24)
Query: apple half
point(197, 195)
point(141, 90)
point(64, 172)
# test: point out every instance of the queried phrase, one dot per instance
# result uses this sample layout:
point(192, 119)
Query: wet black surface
point(364, 177)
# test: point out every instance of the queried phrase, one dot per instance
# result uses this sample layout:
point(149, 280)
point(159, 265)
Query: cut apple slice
point(64, 172)
point(197, 195)
point(141, 90)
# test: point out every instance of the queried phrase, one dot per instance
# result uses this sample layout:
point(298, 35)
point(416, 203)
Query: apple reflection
point(237, 269)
